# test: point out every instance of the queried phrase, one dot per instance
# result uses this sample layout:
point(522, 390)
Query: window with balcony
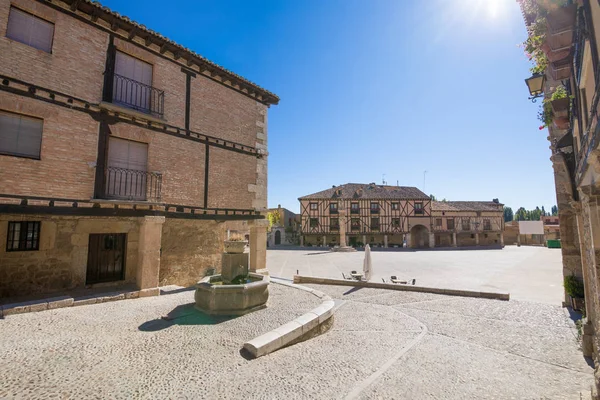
point(313, 206)
point(375, 224)
point(374, 208)
point(334, 224)
point(132, 86)
point(450, 223)
point(30, 30)
point(126, 176)
point(487, 225)
point(20, 136)
point(355, 224)
point(395, 222)
point(333, 208)
point(314, 222)
point(354, 208)
point(395, 206)
point(418, 208)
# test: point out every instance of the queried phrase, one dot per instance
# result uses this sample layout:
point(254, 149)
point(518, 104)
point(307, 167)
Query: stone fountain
point(235, 291)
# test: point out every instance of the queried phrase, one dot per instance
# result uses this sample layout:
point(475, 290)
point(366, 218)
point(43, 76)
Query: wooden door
point(106, 257)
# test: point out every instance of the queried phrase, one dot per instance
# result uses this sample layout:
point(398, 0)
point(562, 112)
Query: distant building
point(395, 216)
point(286, 231)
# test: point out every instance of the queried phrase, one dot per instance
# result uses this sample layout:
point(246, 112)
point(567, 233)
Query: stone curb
point(68, 301)
point(288, 333)
point(407, 288)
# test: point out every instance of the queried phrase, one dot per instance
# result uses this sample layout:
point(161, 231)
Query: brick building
point(121, 153)
point(391, 216)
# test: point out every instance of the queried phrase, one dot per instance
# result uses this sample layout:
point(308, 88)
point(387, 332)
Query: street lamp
point(535, 84)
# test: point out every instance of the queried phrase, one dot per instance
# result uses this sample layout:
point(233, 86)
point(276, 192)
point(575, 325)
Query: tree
point(554, 211)
point(534, 215)
point(274, 218)
point(521, 214)
point(508, 214)
point(543, 212)
point(432, 197)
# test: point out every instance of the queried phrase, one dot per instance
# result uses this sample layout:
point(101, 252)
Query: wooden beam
point(148, 40)
point(176, 55)
point(190, 62)
point(114, 25)
point(163, 48)
point(74, 5)
point(94, 16)
point(132, 33)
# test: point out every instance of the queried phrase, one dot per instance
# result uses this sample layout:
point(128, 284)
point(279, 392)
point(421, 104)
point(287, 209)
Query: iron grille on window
point(23, 236)
point(127, 184)
point(138, 96)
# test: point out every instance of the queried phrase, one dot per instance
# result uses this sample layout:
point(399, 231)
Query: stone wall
point(189, 249)
point(61, 261)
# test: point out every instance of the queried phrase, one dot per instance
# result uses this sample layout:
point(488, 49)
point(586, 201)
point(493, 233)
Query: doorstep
point(74, 298)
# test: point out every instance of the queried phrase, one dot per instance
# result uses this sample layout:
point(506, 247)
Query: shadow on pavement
point(184, 314)
point(354, 289)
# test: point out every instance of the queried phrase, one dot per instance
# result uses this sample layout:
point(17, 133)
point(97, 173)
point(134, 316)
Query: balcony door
point(127, 164)
point(132, 85)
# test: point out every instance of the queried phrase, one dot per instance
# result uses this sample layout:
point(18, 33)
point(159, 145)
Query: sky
point(377, 90)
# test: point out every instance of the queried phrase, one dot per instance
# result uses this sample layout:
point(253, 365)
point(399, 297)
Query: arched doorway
point(419, 237)
point(277, 237)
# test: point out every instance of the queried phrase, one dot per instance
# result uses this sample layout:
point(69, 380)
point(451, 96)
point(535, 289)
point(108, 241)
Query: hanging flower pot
point(555, 55)
point(560, 107)
point(561, 69)
point(561, 122)
point(561, 19)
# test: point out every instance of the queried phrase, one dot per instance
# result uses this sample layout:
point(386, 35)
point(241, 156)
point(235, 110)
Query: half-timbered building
point(397, 216)
point(121, 153)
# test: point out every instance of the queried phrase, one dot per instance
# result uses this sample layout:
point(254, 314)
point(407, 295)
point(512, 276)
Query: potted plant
point(235, 244)
point(575, 290)
point(560, 101)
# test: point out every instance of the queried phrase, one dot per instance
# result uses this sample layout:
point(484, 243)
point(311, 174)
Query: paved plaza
point(382, 345)
point(528, 273)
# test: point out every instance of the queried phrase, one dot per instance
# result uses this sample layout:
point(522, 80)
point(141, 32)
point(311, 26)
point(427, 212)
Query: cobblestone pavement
point(396, 345)
point(527, 273)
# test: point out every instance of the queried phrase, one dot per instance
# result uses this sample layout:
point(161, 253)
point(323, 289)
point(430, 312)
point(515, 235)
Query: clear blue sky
point(375, 87)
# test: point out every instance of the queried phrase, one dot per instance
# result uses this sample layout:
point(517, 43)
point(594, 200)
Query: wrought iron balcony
point(138, 96)
point(132, 185)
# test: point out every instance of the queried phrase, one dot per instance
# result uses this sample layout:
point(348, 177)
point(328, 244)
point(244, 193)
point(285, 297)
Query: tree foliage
point(508, 214)
point(554, 211)
point(274, 218)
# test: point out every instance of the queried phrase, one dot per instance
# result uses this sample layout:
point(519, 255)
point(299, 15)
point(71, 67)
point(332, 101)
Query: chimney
point(496, 201)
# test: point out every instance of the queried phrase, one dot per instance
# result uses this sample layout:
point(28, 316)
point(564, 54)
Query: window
point(132, 86)
point(20, 135)
point(438, 222)
point(334, 224)
point(30, 30)
point(313, 206)
point(354, 208)
point(466, 225)
point(395, 206)
point(314, 222)
point(418, 208)
point(487, 225)
point(23, 236)
point(374, 208)
point(355, 224)
point(375, 224)
point(395, 222)
point(333, 208)
point(450, 223)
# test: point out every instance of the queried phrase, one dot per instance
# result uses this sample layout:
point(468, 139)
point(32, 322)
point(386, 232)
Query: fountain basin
point(215, 298)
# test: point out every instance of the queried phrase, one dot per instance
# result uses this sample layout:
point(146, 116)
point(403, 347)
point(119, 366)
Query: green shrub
point(574, 287)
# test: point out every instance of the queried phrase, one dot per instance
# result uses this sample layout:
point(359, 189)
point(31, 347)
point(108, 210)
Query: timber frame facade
point(131, 142)
point(393, 216)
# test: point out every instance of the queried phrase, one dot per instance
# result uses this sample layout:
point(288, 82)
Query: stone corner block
point(263, 344)
point(149, 292)
point(289, 332)
point(308, 321)
point(60, 302)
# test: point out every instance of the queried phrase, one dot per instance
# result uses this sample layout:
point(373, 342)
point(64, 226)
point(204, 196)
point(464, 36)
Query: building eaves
point(96, 11)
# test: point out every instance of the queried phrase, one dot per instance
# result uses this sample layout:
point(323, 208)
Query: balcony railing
point(374, 210)
point(354, 211)
point(133, 185)
point(138, 96)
